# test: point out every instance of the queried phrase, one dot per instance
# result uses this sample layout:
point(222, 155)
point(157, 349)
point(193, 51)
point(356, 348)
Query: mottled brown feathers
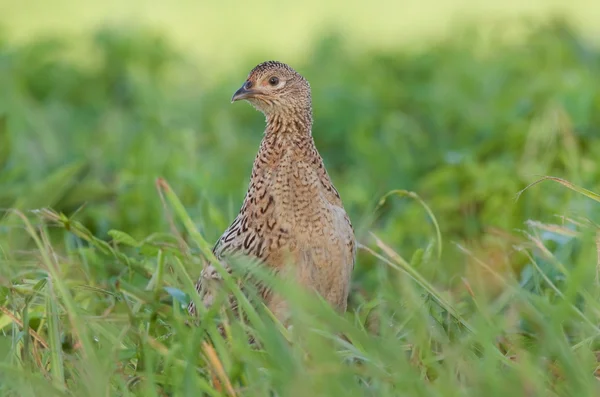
point(272, 65)
point(291, 210)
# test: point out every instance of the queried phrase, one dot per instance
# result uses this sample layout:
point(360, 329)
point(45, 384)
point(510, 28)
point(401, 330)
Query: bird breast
point(295, 211)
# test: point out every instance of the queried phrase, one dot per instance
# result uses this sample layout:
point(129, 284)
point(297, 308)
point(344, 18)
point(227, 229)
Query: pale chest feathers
point(291, 208)
point(295, 194)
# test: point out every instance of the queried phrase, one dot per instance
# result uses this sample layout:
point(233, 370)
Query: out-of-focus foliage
point(466, 124)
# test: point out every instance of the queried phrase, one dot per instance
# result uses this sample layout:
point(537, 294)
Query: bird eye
point(273, 80)
point(248, 85)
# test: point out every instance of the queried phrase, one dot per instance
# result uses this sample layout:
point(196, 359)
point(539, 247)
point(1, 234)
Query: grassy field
point(118, 174)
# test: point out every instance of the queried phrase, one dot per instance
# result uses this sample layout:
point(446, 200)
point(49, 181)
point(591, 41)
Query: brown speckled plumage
point(291, 210)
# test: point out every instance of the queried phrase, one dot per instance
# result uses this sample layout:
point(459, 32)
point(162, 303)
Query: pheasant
point(291, 209)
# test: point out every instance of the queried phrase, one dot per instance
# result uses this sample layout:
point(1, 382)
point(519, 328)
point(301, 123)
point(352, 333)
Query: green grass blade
point(585, 192)
point(56, 354)
point(206, 249)
point(403, 266)
point(415, 196)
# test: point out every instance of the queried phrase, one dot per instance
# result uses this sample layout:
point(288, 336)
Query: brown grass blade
point(216, 365)
point(578, 189)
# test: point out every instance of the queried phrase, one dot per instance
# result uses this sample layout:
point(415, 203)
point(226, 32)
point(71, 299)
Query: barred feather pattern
point(292, 211)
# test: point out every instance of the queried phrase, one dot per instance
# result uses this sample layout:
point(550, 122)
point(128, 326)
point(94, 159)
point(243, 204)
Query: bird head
point(273, 87)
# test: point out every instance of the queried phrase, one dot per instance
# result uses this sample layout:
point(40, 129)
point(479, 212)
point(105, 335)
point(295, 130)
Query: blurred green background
point(464, 103)
point(230, 30)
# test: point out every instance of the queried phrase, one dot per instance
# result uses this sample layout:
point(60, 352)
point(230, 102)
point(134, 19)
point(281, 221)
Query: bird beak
point(242, 93)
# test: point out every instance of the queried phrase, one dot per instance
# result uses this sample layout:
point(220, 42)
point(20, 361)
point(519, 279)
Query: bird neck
point(286, 133)
point(294, 122)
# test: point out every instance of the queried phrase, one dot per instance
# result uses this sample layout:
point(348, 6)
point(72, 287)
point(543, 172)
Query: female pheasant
point(291, 210)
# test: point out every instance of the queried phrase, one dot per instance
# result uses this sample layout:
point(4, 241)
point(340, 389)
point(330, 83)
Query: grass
point(473, 279)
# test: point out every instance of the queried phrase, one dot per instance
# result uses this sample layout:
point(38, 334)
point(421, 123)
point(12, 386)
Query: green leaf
point(177, 294)
point(417, 258)
point(123, 238)
point(56, 354)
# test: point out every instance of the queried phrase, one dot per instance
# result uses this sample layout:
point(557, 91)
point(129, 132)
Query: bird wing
point(209, 276)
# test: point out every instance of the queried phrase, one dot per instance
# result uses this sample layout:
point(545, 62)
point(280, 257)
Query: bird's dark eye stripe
point(273, 81)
